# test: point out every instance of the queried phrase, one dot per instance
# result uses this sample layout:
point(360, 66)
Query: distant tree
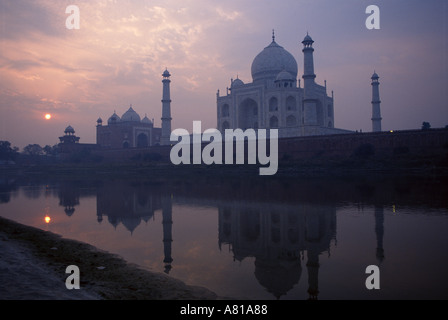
point(426, 125)
point(47, 150)
point(7, 152)
point(50, 151)
point(33, 150)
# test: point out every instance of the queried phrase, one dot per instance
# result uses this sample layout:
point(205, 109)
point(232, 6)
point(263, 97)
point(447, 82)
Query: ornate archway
point(142, 140)
point(247, 114)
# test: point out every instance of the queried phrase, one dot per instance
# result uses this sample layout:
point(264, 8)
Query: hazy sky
point(117, 57)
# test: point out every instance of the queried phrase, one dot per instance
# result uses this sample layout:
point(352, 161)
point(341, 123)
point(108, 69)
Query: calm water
point(257, 239)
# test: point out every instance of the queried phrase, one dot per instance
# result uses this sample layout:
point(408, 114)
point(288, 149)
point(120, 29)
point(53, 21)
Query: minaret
point(166, 110)
point(308, 65)
point(376, 112)
point(309, 103)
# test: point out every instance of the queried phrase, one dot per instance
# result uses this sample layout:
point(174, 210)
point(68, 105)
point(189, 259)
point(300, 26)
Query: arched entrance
point(225, 112)
point(291, 104)
point(247, 114)
point(290, 121)
point(225, 125)
point(273, 122)
point(273, 104)
point(142, 140)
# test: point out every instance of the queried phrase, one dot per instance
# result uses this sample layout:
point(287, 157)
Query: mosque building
point(275, 99)
point(127, 131)
point(131, 131)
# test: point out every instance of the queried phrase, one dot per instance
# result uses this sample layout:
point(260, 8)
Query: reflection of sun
point(48, 116)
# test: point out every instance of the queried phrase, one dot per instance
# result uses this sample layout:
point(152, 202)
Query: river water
point(288, 238)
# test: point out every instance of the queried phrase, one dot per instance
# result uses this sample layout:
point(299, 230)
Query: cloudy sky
point(117, 57)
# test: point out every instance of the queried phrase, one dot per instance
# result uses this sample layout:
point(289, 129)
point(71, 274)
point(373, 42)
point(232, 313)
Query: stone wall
point(381, 144)
point(412, 142)
point(154, 153)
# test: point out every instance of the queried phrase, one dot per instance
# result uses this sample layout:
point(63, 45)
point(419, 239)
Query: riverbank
point(33, 264)
point(423, 165)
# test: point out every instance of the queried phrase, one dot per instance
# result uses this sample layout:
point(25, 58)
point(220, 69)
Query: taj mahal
point(276, 99)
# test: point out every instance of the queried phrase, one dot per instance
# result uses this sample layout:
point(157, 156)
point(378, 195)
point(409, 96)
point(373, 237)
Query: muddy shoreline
point(34, 263)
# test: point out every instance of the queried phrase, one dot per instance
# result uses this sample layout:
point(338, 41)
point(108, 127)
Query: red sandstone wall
point(412, 142)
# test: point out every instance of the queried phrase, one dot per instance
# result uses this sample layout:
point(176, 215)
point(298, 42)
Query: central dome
point(130, 116)
point(271, 61)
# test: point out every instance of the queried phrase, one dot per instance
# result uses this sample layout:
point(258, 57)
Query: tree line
point(10, 153)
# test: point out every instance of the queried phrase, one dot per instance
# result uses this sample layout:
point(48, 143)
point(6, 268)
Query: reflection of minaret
point(314, 229)
point(379, 231)
point(313, 272)
point(167, 222)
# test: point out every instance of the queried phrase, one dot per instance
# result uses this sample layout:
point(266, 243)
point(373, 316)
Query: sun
point(48, 116)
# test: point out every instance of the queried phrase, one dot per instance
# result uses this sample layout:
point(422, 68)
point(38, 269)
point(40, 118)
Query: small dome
point(69, 129)
point(146, 120)
point(130, 116)
point(113, 119)
point(375, 76)
point(166, 74)
point(307, 39)
point(237, 83)
point(271, 61)
point(99, 120)
point(285, 76)
point(131, 222)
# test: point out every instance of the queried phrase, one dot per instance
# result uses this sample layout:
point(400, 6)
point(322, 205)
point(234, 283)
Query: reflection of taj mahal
point(277, 235)
point(275, 100)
